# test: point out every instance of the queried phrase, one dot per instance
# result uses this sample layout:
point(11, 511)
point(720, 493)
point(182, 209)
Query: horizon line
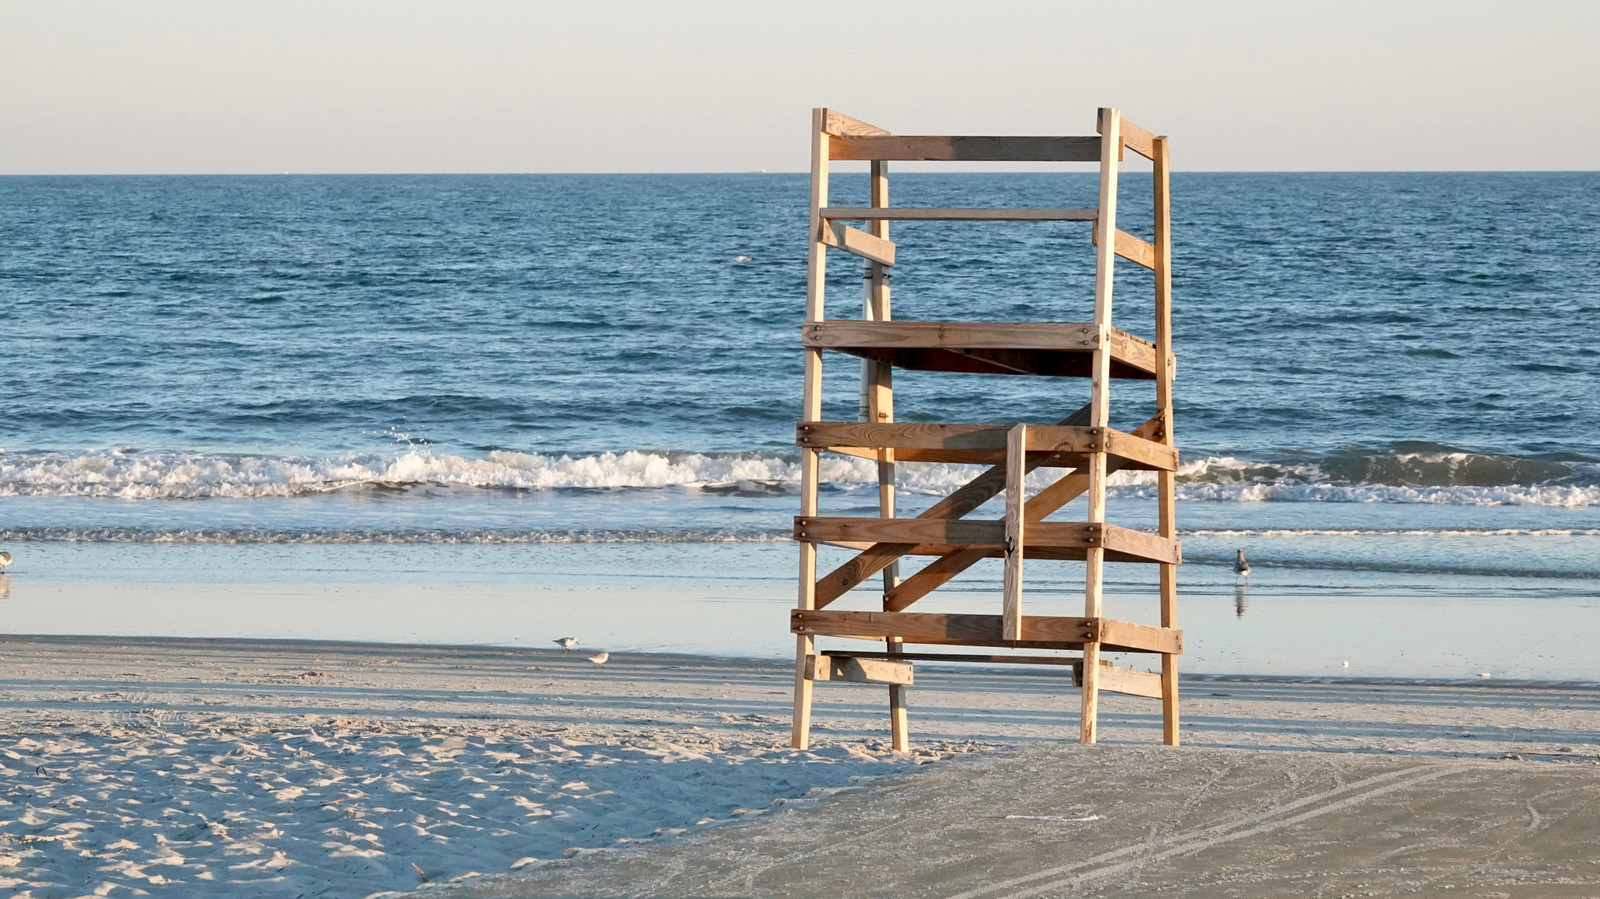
point(919, 171)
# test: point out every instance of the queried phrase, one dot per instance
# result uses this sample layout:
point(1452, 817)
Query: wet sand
point(1123, 821)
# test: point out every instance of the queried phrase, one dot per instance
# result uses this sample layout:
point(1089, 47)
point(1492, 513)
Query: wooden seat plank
point(1060, 349)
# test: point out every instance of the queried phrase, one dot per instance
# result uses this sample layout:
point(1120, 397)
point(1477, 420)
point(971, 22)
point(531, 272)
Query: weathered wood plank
point(977, 337)
point(957, 214)
point(1016, 532)
point(918, 627)
point(816, 283)
point(978, 442)
point(878, 379)
point(1100, 397)
point(928, 536)
point(963, 148)
point(974, 658)
point(858, 242)
point(859, 670)
point(1166, 488)
point(1126, 542)
point(1122, 680)
point(840, 125)
point(1137, 139)
point(1038, 631)
point(1131, 248)
point(1141, 637)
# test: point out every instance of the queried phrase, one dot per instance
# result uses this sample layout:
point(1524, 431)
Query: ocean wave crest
point(1423, 477)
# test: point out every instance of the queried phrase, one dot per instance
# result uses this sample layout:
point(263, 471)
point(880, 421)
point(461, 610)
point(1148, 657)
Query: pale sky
point(707, 86)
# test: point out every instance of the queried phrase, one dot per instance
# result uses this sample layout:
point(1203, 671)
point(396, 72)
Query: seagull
point(1241, 568)
point(566, 642)
point(600, 658)
point(5, 559)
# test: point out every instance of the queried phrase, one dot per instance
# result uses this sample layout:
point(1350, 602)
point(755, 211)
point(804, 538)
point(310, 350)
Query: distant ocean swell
point(1440, 477)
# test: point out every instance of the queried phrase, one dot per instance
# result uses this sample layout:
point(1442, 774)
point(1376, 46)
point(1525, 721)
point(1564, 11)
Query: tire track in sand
point(1110, 863)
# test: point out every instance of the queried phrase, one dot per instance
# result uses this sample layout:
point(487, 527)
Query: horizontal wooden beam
point(958, 148)
point(986, 444)
point(858, 670)
point(858, 242)
point(1038, 632)
point(989, 346)
point(971, 657)
point(956, 214)
point(918, 627)
point(1060, 336)
point(1045, 539)
point(1142, 637)
point(1121, 680)
point(838, 124)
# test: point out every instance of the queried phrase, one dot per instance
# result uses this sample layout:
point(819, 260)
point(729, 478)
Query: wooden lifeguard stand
point(1083, 447)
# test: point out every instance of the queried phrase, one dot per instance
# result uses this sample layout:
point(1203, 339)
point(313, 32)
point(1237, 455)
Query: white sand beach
point(256, 768)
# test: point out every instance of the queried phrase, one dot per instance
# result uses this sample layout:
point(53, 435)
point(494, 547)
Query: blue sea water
point(1395, 374)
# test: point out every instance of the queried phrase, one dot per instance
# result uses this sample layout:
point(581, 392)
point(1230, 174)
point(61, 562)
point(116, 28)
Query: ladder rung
point(1043, 539)
point(1038, 632)
point(956, 214)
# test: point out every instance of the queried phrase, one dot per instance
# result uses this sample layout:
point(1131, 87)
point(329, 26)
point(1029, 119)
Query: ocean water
point(1389, 384)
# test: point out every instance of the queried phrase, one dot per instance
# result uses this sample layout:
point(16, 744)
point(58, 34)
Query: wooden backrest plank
point(965, 148)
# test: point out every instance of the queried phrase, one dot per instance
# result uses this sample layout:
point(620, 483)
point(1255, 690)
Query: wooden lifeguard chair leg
point(1167, 480)
point(816, 272)
point(1100, 403)
point(1016, 471)
point(877, 381)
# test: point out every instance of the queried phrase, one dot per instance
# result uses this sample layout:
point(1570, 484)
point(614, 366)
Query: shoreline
point(785, 665)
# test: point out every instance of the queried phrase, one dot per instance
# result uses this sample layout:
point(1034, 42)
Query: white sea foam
point(176, 475)
point(218, 535)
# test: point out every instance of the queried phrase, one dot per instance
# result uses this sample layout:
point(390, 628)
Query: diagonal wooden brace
point(970, 496)
point(941, 570)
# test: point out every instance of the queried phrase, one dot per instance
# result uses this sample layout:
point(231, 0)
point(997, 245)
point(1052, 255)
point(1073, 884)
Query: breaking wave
point(1433, 477)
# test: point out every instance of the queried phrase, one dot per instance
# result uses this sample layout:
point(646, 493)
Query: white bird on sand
point(566, 642)
point(600, 658)
point(5, 559)
point(1240, 566)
